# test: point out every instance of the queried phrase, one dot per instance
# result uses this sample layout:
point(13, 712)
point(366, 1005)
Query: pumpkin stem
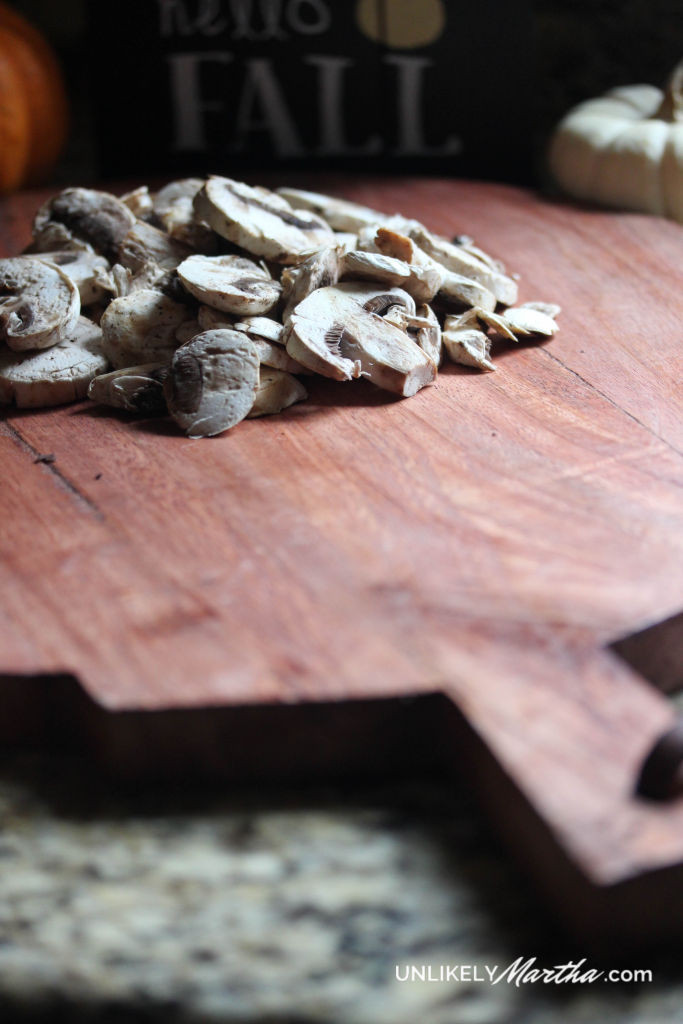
point(671, 107)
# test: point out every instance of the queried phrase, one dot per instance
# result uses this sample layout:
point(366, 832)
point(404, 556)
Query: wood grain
point(485, 540)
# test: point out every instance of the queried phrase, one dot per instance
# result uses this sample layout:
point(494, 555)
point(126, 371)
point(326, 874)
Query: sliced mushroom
point(460, 261)
point(334, 333)
point(526, 320)
point(54, 376)
point(173, 208)
point(149, 277)
point(374, 266)
point(39, 303)
point(550, 309)
point(141, 328)
point(321, 269)
point(405, 321)
point(260, 221)
point(466, 243)
point(378, 300)
point(276, 391)
point(270, 353)
point(453, 287)
point(340, 214)
point(232, 284)
point(347, 240)
point(96, 218)
point(422, 282)
point(139, 202)
point(429, 337)
point(212, 383)
point(137, 389)
point(144, 244)
point(276, 356)
point(255, 327)
point(495, 321)
point(89, 272)
point(465, 343)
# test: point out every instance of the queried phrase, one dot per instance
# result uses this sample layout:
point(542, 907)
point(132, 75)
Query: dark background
point(505, 73)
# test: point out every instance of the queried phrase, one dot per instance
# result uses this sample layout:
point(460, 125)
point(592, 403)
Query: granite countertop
point(184, 905)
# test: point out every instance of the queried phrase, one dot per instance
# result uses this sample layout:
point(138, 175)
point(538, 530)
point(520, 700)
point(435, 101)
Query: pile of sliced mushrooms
point(211, 299)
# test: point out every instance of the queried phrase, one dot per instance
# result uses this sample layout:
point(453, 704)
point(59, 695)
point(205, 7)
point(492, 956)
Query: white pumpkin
point(625, 149)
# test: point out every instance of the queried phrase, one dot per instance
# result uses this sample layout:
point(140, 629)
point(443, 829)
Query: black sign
point(187, 86)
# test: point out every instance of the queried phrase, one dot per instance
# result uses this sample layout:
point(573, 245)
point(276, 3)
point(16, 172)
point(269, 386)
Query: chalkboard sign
point(223, 85)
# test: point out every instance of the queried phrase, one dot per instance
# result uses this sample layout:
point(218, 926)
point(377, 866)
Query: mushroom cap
point(56, 375)
point(141, 328)
point(232, 284)
point(260, 221)
point(96, 218)
point(340, 214)
point(39, 303)
point(212, 382)
point(88, 271)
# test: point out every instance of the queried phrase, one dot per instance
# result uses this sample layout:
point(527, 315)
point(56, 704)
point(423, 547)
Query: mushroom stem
point(671, 107)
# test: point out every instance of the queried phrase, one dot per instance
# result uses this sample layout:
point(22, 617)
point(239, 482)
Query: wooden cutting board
point(484, 543)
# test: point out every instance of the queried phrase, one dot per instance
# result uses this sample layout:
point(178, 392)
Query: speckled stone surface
point(180, 905)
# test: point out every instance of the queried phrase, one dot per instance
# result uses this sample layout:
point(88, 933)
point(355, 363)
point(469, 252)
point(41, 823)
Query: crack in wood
point(611, 401)
point(51, 467)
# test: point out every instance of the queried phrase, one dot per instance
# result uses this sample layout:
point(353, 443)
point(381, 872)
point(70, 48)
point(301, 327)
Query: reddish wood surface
point(485, 540)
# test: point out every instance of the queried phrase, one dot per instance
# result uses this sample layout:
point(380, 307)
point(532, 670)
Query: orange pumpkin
point(33, 107)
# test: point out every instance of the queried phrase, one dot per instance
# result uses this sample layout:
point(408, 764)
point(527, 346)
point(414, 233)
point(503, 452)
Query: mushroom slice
point(347, 240)
point(428, 337)
point(378, 300)
point(276, 391)
point(401, 318)
point(212, 383)
point(452, 287)
point(232, 284)
point(173, 208)
point(459, 261)
point(422, 282)
point(321, 269)
point(39, 303)
point(526, 320)
point(334, 333)
point(466, 345)
point(276, 356)
point(466, 243)
point(495, 321)
point(150, 277)
point(550, 309)
point(82, 214)
point(141, 328)
point(260, 221)
point(340, 214)
point(53, 376)
point(137, 389)
point(374, 266)
point(257, 327)
point(145, 244)
point(139, 202)
point(88, 271)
